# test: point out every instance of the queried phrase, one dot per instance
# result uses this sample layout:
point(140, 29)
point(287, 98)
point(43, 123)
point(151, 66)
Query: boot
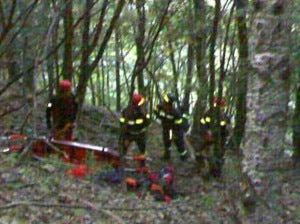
point(183, 155)
point(167, 155)
point(142, 163)
point(216, 173)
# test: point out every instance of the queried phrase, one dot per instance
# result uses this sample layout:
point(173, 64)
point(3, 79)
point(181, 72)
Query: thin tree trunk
point(140, 44)
point(188, 84)
point(99, 85)
point(85, 53)
point(296, 126)
point(52, 62)
point(212, 49)
point(240, 119)
point(118, 69)
point(93, 92)
point(107, 88)
point(6, 22)
point(67, 69)
point(174, 88)
point(218, 146)
point(103, 84)
point(194, 136)
point(233, 152)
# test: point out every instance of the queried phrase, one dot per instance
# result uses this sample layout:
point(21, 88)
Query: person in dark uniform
point(214, 133)
point(134, 122)
point(61, 112)
point(172, 126)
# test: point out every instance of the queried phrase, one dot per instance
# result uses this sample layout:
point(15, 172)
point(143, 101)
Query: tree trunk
point(174, 88)
point(212, 48)
point(233, 165)
point(267, 101)
point(118, 69)
point(140, 44)
point(6, 21)
point(200, 49)
point(52, 61)
point(88, 68)
point(103, 94)
point(67, 69)
point(188, 85)
point(240, 119)
point(85, 53)
point(296, 127)
point(107, 89)
point(93, 92)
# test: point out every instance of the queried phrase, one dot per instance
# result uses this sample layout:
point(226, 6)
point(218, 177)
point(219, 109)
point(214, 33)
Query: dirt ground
point(42, 191)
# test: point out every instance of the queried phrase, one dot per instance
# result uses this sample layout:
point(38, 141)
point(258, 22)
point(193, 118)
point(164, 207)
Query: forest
point(242, 51)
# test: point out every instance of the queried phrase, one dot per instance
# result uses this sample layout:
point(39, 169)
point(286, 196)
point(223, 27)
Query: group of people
point(135, 119)
point(214, 130)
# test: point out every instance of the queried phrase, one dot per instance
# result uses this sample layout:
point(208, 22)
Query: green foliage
point(208, 201)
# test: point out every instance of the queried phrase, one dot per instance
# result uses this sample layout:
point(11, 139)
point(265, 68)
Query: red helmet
point(219, 102)
point(138, 99)
point(65, 85)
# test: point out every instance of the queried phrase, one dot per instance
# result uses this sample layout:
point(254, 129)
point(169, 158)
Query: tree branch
point(87, 206)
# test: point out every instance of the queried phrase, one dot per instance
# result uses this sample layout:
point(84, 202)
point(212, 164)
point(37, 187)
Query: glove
point(69, 126)
point(208, 137)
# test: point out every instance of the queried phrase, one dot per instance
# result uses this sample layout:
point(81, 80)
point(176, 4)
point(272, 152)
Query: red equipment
point(79, 171)
point(139, 158)
point(78, 151)
point(73, 152)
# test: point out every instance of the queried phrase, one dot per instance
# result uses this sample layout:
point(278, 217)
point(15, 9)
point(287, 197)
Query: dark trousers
point(170, 135)
point(212, 152)
point(127, 138)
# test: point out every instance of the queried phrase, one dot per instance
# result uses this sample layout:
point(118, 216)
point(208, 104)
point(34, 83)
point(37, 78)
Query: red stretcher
point(70, 151)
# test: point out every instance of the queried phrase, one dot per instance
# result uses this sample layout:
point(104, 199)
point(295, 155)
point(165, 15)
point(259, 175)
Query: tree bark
point(188, 85)
point(242, 32)
point(118, 69)
point(200, 49)
point(67, 69)
point(7, 21)
point(267, 103)
point(296, 127)
point(212, 49)
point(233, 152)
point(140, 44)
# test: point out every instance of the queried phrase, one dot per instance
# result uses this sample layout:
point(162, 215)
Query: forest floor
point(41, 191)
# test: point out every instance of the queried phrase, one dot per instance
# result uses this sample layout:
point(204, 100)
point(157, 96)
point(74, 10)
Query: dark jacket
point(134, 119)
point(209, 125)
point(61, 110)
point(170, 116)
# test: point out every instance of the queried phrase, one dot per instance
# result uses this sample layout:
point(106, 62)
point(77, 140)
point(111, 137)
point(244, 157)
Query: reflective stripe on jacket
point(134, 120)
